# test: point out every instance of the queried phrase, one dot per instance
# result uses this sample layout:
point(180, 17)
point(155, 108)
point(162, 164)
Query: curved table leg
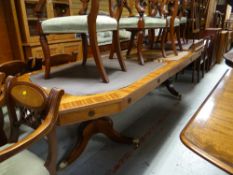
point(172, 90)
point(87, 130)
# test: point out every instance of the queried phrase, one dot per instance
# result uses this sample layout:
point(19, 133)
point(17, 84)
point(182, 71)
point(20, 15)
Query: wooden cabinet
point(65, 43)
point(67, 47)
point(10, 45)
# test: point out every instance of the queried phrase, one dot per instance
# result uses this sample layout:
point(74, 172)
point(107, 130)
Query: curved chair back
point(199, 11)
point(15, 67)
point(30, 105)
point(27, 104)
point(163, 8)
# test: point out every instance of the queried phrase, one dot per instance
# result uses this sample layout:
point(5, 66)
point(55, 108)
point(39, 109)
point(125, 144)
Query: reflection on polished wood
point(210, 131)
point(76, 109)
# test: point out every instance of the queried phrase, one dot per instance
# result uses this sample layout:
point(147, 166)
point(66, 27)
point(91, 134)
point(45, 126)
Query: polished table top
point(210, 131)
point(76, 109)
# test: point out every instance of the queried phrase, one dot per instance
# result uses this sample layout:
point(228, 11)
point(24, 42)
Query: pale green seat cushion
point(150, 22)
point(183, 20)
point(23, 163)
point(176, 22)
point(77, 24)
point(104, 38)
point(124, 34)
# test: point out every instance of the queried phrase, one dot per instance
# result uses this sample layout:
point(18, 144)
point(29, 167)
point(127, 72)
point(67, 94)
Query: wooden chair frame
point(3, 137)
point(46, 128)
point(14, 67)
point(140, 6)
point(92, 16)
point(172, 6)
point(183, 13)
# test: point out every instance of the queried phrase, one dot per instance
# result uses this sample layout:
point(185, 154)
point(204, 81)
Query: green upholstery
point(176, 23)
point(150, 22)
point(124, 34)
point(105, 38)
point(77, 24)
point(23, 163)
point(183, 20)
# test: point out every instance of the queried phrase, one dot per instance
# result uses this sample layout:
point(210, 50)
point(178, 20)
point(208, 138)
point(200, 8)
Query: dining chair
point(183, 16)
point(168, 9)
point(83, 23)
point(137, 24)
point(14, 68)
point(30, 105)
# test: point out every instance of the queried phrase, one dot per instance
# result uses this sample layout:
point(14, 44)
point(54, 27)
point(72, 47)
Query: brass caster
point(62, 165)
point(136, 142)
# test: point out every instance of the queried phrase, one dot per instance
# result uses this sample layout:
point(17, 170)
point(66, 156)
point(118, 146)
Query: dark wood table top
point(210, 132)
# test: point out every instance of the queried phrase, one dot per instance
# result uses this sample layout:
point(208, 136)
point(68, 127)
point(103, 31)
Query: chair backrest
point(199, 12)
point(182, 10)
point(27, 104)
point(90, 7)
point(155, 8)
point(163, 8)
point(30, 105)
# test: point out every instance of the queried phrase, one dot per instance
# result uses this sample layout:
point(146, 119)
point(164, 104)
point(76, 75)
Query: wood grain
point(6, 53)
point(210, 131)
point(76, 109)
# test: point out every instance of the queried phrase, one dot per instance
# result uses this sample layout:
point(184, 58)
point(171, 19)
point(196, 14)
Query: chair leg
point(131, 42)
point(198, 69)
point(85, 48)
point(112, 50)
point(152, 38)
point(164, 33)
point(139, 47)
point(3, 138)
point(46, 51)
point(96, 54)
point(194, 69)
point(172, 35)
point(159, 35)
point(116, 41)
point(50, 163)
point(184, 33)
point(178, 38)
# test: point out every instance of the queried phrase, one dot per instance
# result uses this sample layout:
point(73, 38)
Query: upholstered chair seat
point(77, 24)
point(150, 22)
point(176, 22)
point(183, 20)
point(24, 163)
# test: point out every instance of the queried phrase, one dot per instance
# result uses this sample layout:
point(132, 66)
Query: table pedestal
point(87, 130)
